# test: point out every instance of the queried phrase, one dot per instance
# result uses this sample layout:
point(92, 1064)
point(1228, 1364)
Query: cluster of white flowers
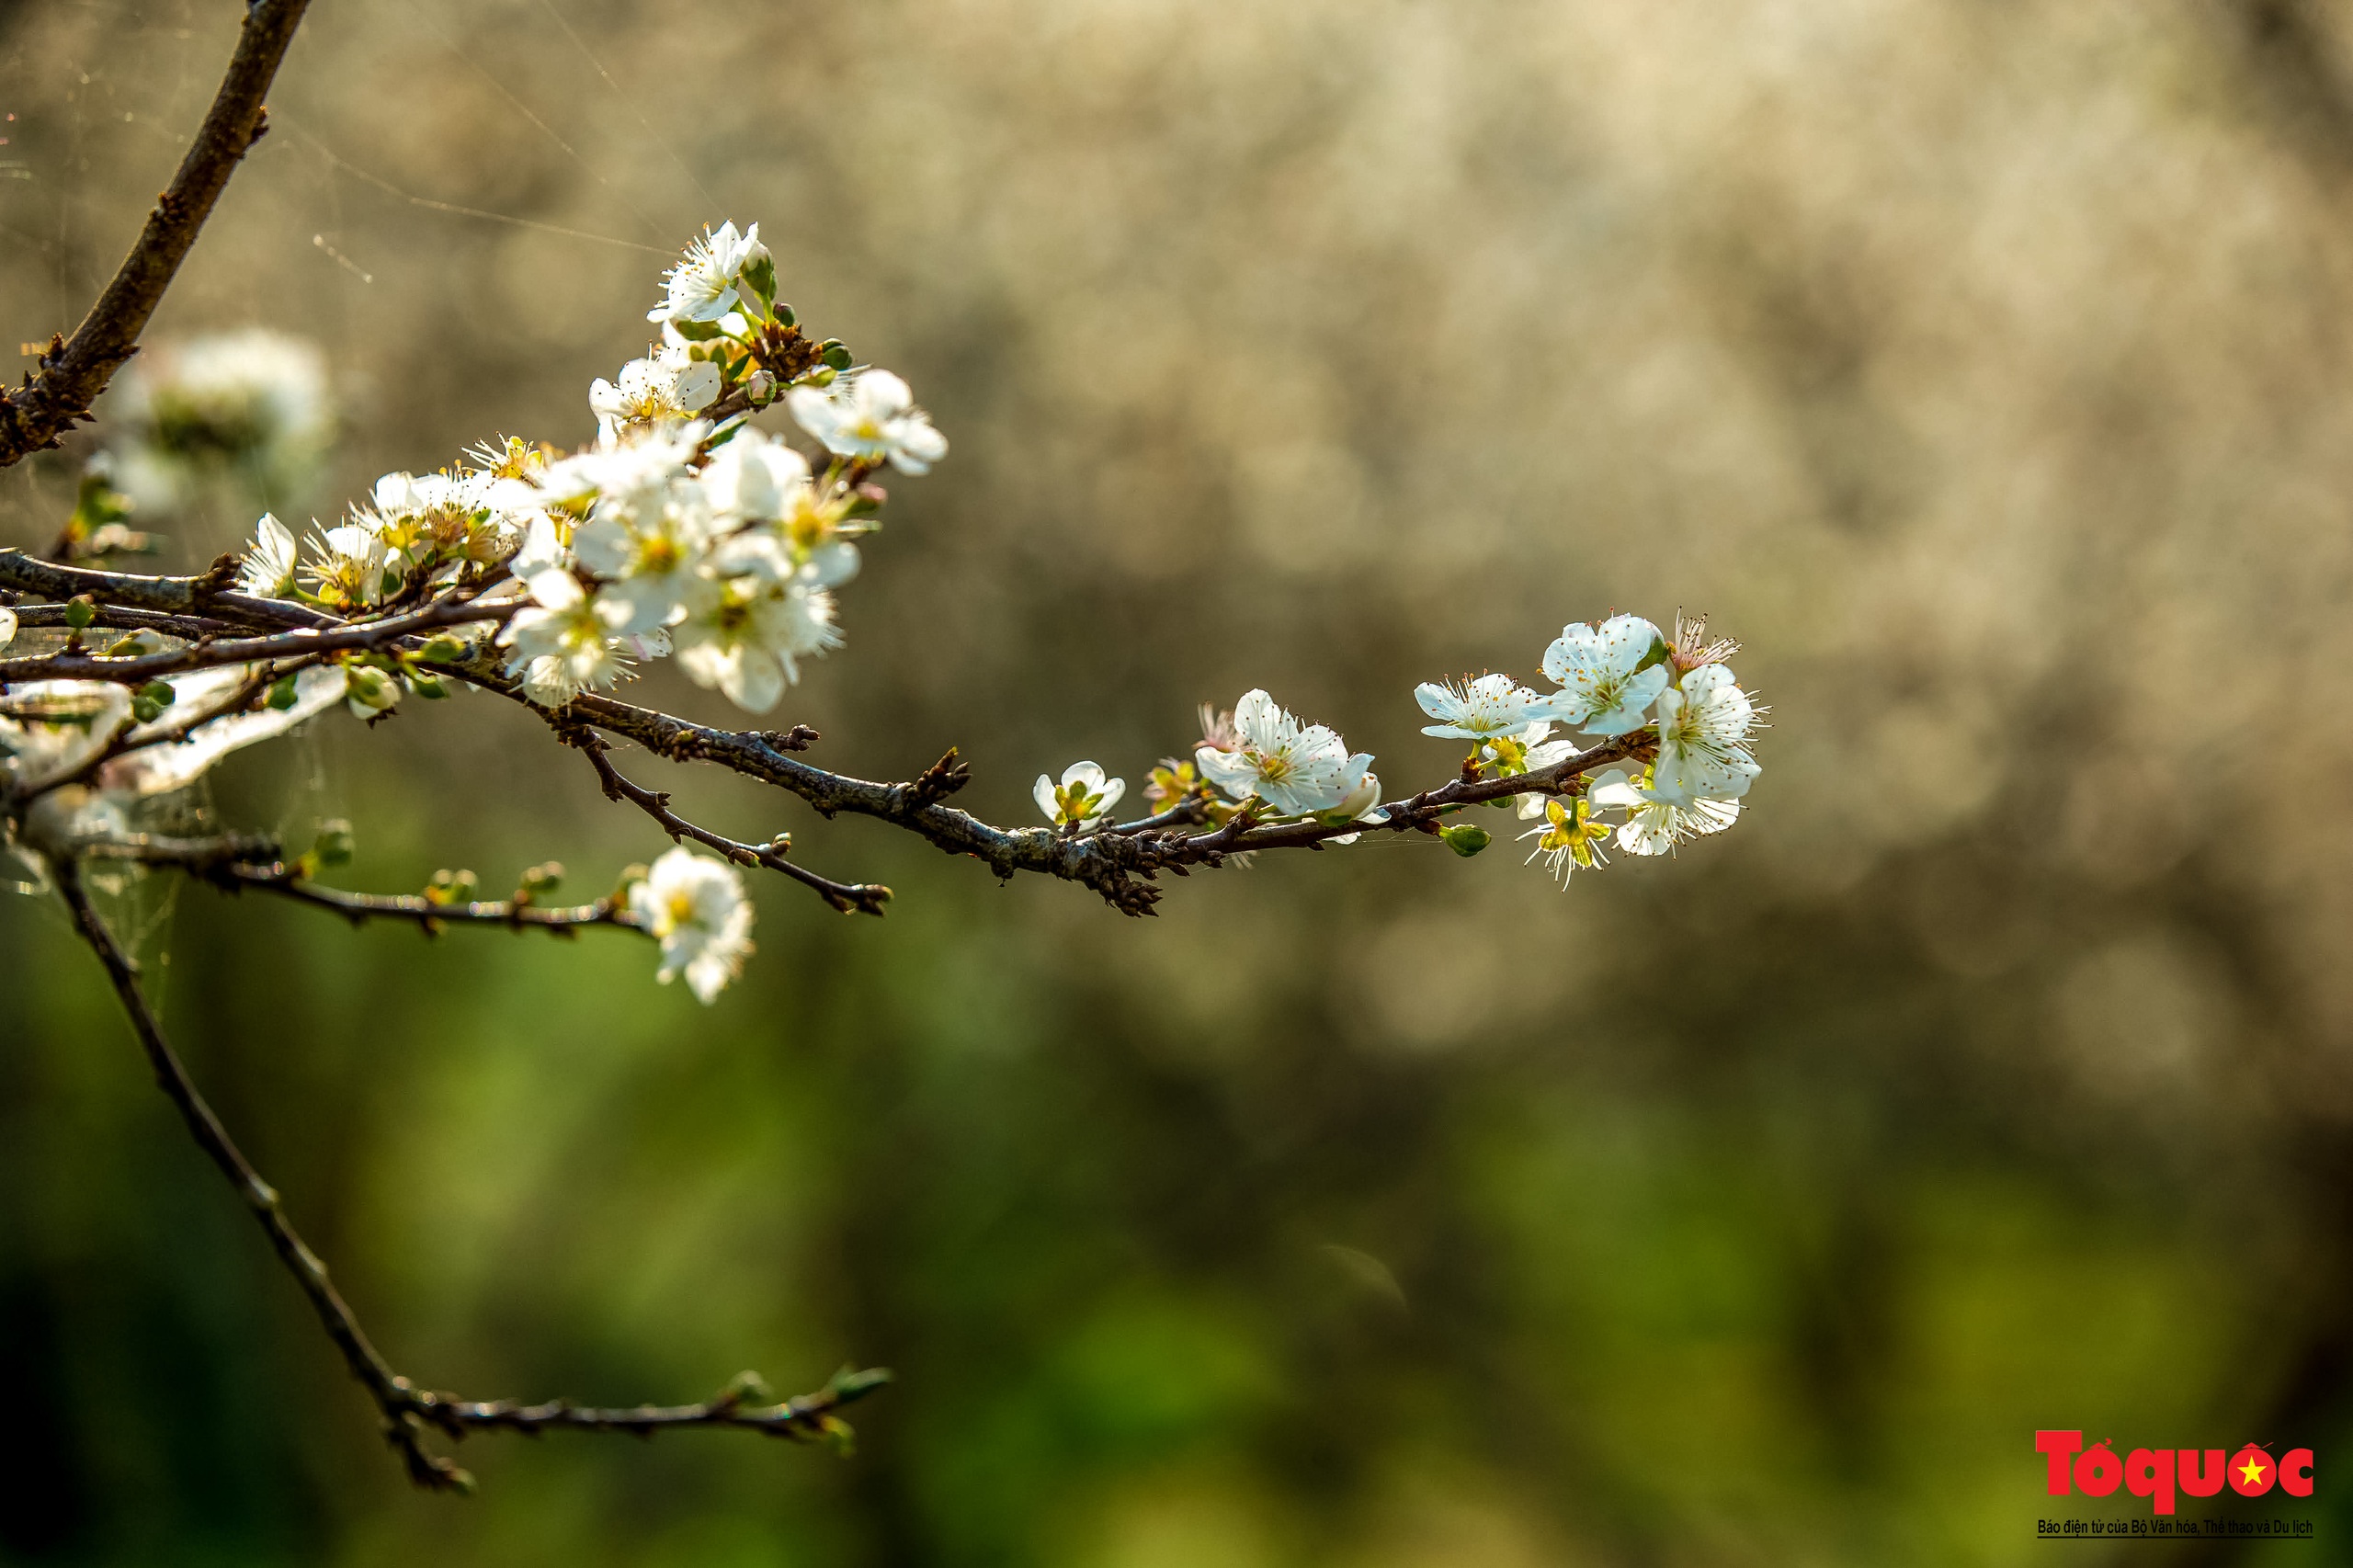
point(250, 406)
point(681, 530)
point(1614, 678)
point(673, 533)
point(669, 534)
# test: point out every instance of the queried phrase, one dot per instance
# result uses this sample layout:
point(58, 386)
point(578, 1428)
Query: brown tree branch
point(863, 898)
point(207, 592)
point(209, 653)
point(74, 373)
point(1118, 862)
point(234, 863)
point(407, 1409)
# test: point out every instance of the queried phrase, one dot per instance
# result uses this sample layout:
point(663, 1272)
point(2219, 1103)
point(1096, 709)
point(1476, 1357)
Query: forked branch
point(408, 1411)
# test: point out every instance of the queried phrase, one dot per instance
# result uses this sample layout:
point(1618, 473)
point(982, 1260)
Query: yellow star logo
point(2251, 1470)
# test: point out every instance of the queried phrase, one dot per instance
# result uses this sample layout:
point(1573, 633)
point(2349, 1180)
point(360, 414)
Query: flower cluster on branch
point(549, 578)
point(682, 530)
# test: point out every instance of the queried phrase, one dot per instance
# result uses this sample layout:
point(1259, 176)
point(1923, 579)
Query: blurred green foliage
point(1979, 367)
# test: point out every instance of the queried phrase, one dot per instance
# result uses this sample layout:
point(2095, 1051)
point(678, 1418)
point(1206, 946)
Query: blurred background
point(1982, 368)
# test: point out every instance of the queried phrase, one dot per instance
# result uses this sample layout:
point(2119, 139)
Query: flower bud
point(283, 695)
point(335, 843)
point(1466, 839)
point(80, 610)
point(369, 687)
point(150, 701)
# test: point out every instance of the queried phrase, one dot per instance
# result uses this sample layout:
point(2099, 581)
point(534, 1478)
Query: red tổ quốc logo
point(2159, 1474)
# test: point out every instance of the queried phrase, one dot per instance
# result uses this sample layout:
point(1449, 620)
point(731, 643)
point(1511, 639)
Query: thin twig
point(863, 898)
point(234, 864)
point(74, 373)
point(408, 1410)
point(119, 618)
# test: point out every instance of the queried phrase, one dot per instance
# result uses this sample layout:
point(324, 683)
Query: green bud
point(428, 686)
point(443, 650)
point(281, 693)
point(747, 1388)
point(370, 688)
point(543, 879)
point(761, 276)
point(147, 704)
point(449, 887)
point(334, 843)
point(80, 611)
point(1466, 839)
point(784, 316)
point(835, 354)
point(697, 331)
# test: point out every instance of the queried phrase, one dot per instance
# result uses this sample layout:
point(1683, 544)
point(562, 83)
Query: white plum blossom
point(871, 416)
point(695, 907)
point(1655, 825)
point(1082, 798)
point(708, 282)
point(669, 387)
point(649, 543)
point(562, 645)
point(346, 566)
point(1606, 690)
point(267, 571)
point(445, 518)
point(747, 639)
point(1476, 711)
point(754, 478)
point(1297, 770)
point(1703, 728)
point(1569, 839)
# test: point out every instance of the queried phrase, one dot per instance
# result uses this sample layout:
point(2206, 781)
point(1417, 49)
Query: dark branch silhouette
point(74, 372)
